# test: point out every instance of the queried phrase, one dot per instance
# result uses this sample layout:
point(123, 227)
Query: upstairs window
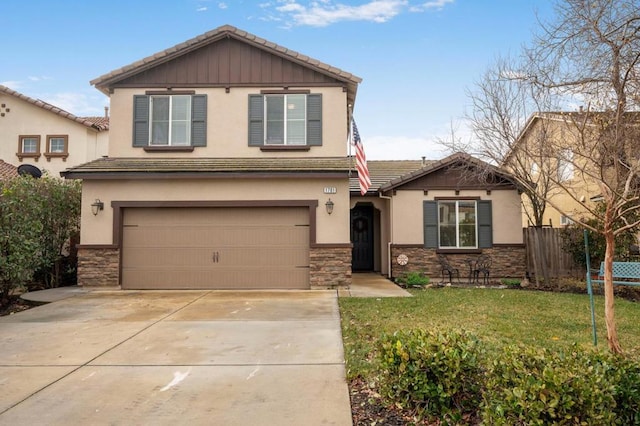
point(170, 120)
point(285, 120)
point(57, 146)
point(565, 165)
point(166, 122)
point(28, 147)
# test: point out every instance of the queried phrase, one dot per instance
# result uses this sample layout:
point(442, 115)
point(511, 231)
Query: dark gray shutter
point(199, 120)
point(256, 117)
point(485, 221)
point(140, 120)
point(430, 219)
point(314, 120)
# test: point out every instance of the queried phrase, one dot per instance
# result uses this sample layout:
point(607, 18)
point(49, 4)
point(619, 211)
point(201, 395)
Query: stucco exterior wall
point(24, 118)
point(407, 214)
point(227, 125)
point(331, 229)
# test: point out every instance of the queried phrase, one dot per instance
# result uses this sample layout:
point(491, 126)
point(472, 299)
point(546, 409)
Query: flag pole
point(349, 141)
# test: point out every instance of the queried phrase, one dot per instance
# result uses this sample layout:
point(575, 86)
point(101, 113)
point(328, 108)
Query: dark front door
point(362, 238)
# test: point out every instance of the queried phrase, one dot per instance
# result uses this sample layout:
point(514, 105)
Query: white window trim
point(285, 120)
point(457, 207)
point(171, 120)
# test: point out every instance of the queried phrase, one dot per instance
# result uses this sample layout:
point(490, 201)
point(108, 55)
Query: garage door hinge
point(304, 267)
point(215, 257)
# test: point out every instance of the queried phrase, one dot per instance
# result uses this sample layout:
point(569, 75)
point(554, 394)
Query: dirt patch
point(15, 305)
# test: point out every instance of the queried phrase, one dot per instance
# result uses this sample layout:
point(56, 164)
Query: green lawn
point(496, 316)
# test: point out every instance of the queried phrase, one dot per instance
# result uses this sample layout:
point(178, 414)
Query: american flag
point(361, 160)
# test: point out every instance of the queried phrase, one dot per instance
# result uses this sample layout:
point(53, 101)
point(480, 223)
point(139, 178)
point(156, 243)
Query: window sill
point(285, 148)
point(168, 148)
point(458, 251)
point(50, 155)
point(27, 155)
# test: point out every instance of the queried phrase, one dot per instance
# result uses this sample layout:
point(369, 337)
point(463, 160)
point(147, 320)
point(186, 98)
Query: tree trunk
point(609, 312)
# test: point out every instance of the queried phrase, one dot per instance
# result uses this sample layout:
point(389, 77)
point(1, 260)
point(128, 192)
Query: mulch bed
point(15, 305)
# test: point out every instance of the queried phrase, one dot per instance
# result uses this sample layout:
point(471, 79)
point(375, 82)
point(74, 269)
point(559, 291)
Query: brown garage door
point(215, 248)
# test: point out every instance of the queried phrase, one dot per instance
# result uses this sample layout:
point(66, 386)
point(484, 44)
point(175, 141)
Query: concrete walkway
point(175, 357)
point(372, 285)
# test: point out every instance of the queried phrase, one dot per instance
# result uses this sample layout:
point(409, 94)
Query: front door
point(362, 238)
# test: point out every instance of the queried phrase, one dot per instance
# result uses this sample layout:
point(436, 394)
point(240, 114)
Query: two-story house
point(227, 168)
point(47, 137)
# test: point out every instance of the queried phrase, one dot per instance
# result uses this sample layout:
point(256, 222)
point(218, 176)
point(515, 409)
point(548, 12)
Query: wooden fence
point(545, 257)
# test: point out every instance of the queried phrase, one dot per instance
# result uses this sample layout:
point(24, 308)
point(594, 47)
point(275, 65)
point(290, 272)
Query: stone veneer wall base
point(330, 267)
point(507, 262)
point(98, 267)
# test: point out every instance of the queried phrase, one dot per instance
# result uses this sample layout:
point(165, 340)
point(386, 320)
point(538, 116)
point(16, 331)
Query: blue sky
point(417, 59)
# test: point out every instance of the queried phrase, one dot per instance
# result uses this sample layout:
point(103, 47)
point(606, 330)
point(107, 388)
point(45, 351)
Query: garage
point(215, 248)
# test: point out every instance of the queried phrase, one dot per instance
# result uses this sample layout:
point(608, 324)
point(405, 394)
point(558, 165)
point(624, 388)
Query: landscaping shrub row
point(452, 376)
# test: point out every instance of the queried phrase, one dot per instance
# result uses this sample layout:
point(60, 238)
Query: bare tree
point(590, 54)
point(504, 104)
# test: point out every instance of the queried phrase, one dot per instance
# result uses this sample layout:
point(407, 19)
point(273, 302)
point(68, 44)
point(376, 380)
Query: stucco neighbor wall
point(227, 125)
point(24, 118)
point(508, 261)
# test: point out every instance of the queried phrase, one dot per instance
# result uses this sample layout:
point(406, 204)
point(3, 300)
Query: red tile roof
point(7, 170)
point(85, 121)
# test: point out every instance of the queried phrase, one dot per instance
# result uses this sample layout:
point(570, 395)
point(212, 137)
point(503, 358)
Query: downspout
point(384, 197)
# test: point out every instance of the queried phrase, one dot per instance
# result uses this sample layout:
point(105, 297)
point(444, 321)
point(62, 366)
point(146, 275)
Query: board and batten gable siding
point(227, 126)
point(484, 221)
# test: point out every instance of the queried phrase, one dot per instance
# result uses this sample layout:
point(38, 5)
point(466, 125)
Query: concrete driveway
point(184, 357)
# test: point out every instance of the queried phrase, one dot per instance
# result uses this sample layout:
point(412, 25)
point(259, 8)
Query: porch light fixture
point(97, 206)
point(329, 206)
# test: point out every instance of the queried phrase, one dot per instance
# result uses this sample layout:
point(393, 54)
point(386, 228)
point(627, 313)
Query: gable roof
point(90, 122)
point(451, 160)
point(7, 171)
point(106, 81)
point(383, 171)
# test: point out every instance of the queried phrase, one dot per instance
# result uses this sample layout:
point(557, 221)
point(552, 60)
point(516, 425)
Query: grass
point(496, 316)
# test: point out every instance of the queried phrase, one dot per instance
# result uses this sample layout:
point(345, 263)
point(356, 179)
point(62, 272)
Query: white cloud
point(77, 103)
point(432, 4)
point(222, 5)
point(323, 13)
point(12, 84)
point(202, 9)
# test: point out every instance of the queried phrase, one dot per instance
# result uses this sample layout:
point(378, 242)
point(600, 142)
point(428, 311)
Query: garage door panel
point(214, 258)
point(215, 248)
point(196, 278)
point(202, 236)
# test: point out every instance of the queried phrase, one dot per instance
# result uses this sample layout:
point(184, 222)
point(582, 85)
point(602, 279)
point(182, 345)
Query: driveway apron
point(183, 357)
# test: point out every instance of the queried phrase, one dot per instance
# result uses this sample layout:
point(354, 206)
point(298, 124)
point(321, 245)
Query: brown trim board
point(201, 175)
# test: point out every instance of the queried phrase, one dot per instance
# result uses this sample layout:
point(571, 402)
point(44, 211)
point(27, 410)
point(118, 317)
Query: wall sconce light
point(97, 206)
point(329, 206)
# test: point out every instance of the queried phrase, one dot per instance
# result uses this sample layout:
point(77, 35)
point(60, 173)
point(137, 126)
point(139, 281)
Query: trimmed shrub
point(526, 385)
point(435, 374)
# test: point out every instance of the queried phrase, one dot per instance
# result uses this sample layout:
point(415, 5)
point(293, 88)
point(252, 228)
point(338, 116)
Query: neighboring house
point(7, 171)
point(416, 211)
point(38, 133)
point(556, 133)
point(224, 153)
